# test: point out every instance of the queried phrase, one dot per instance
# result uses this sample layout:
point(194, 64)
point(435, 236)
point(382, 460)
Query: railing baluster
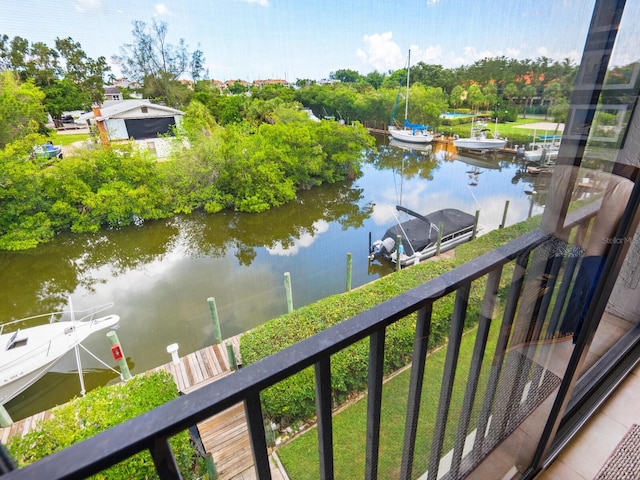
point(255, 423)
point(451, 363)
point(511, 306)
point(164, 460)
point(323, 409)
point(484, 324)
point(420, 347)
point(548, 286)
point(374, 402)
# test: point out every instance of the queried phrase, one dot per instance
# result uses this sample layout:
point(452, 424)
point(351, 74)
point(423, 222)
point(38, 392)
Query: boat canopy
point(547, 138)
point(416, 127)
point(418, 234)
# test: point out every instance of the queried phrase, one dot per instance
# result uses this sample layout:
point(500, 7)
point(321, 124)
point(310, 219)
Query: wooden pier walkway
point(224, 435)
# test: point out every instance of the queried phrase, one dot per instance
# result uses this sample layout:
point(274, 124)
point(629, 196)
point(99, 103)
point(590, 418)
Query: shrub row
point(103, 408)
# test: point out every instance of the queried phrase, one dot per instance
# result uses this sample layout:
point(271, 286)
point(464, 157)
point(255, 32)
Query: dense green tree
point(21, 108)
point(475, 96)
point(87, 74)
point(433, 76)
point(552, 92)
point(490, 95)
point(528, 92)
point(457, 94)
point(375, 79)
point(345, 75)
point(155, 62)
point(68, 77)
point(510, 91)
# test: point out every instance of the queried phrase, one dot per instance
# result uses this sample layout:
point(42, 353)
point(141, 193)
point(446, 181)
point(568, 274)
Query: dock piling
point(232, 356)
point(118, 355)
point(287, 287)
point(504, 215)
point(173, 350)
point(475, 225)
point(217, 334)
point(349, 267)
point(440, 230)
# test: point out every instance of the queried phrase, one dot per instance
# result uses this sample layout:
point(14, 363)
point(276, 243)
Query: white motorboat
point(30, 347)
point(419, 236)
point(480, 141)
point(543, 151)
point(411, 132)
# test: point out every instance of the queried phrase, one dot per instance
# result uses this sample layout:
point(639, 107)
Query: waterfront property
point(526, 397)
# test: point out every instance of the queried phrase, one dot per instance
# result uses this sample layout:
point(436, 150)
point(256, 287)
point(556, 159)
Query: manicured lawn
point(300, 457)
point(68, 139)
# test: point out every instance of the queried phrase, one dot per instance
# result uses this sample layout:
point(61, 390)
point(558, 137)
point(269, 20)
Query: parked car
point(67, 119)
point(47, 150)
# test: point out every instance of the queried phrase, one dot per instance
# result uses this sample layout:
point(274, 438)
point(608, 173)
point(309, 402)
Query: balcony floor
point(587, 453)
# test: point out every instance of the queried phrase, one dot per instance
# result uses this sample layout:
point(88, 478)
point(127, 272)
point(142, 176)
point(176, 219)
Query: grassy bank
point(300, 457)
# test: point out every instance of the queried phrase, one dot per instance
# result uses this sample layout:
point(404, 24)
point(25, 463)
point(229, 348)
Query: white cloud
point(161, 9)
point(542, 51)
point(83, 6)
point(262, 3)
point(306, 240)
point(381, 52)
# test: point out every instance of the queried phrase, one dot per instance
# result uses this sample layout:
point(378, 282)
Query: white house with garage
point(138, 120)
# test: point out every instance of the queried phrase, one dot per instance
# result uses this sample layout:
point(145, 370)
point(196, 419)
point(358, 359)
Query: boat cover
point(415, 126)
point(420, 235)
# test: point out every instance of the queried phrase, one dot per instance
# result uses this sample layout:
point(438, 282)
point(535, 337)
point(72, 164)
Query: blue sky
point(257, 39)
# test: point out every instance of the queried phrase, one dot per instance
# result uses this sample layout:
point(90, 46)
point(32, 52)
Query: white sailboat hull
point(410, 136)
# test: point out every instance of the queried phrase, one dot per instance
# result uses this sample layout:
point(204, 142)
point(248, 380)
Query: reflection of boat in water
point(412, 132)
point(411, 147)
point(420, 236)
point(28, 353)
point(542, 170)
point(478, 161)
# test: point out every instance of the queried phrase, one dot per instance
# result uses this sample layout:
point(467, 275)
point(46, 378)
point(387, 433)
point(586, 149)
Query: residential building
point(138, 120)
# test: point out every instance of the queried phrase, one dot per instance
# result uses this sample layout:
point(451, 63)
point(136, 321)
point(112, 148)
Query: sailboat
point(412, 132)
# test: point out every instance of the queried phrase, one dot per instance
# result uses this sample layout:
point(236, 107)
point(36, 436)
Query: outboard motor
point(382, 248)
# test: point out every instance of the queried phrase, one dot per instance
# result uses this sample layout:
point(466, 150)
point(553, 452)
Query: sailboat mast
point(406, 102)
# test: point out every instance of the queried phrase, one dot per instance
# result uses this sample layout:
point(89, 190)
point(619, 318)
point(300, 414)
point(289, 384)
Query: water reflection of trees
point(410, 161)
point(215, 235)
point(57, 269)
point(41, 280)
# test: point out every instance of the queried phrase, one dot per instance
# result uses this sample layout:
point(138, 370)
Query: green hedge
point(293, 399)
point(103, 408)
point(450, 122)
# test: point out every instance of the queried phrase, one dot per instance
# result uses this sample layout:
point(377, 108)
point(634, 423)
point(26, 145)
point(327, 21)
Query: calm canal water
point(160, 275)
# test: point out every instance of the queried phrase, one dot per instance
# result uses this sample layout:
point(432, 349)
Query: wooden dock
point(224, 435)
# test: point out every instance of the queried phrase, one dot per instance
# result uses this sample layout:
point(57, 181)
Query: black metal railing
point(152, 430)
